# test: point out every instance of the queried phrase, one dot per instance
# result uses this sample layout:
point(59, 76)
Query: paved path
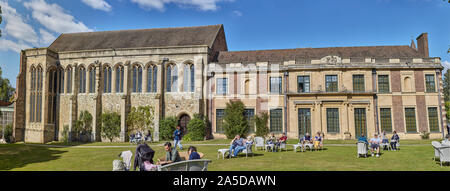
point(160, 145)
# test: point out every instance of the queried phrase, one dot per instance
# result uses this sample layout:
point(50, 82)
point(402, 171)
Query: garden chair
point(385, 145)
point(309, 146)
point(282, 146)
point(444, 154)
point(259, 142)
point(436, 145)
point(299, 145)
point(269, 147)
point(362, 149)
point(187, 165)
point(248, 150)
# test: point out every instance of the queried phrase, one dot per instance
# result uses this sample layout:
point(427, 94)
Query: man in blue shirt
point(237, 144)
point(363, 139)
point(177, 138)
point(193, 155)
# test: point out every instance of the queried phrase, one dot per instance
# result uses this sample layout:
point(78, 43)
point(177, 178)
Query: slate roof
point(317, 53)
point(158, 37)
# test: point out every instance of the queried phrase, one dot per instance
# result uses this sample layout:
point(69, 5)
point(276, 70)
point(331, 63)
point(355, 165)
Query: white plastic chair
point(436, 145)
point(282, 146)
point(444, 154)
point(299, 145)
point(259, 142)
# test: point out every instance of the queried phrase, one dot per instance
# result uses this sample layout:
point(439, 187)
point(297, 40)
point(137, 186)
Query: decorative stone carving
point(331, 60)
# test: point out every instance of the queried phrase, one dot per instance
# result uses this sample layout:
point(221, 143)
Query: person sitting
point(375, 145)
point(363, 138)
point(384, 139)
point(193, 154)
point(272, 140)
point(318, 141)
point(281, 140)
point(394, 140)
point(307, 139)
point(237, 144)
point(446, 141)
point(172, 155)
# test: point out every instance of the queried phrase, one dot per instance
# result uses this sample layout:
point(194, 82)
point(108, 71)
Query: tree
point(83, 126)
point(141, 119)
point(235, 122)
point(166, 128)
point(110, 125)
point(196, 129)
point(1, 20)
point(6, 91)
point(262, 129)
point(447, 86)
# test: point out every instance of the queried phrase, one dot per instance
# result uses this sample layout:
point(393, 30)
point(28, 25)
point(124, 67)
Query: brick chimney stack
point(422, 45)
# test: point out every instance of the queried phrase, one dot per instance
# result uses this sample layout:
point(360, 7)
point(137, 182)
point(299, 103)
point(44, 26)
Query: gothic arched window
point(92, 73)
point(107, 79)
point(82, 80)
point(172, 78)
point(69, 79)
point(152, 78)
point(188, 78)
point(33, 94)
point(137, 78)
point(119, 79)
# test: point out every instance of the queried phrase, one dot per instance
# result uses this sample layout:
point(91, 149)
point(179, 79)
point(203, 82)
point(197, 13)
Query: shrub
point(166, 128)
point(234, 121)
point(425, 135)
point(262, 129)
point(8, 132)
point(65, 134)
point(110, 127)
point(83, 127)
point(196, 129)
point(141, 119)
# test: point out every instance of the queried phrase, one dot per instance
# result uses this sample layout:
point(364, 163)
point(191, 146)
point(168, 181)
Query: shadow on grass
point(16, 155)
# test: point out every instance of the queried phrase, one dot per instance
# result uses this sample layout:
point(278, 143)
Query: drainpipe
point(286, 75)
point(438, 71)
point(163, 88)
point(375, 99)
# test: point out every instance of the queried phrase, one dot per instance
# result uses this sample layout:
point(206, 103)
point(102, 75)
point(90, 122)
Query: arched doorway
point(182, 122)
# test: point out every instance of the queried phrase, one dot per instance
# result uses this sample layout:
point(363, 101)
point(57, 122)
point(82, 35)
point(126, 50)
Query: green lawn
point(411, 157)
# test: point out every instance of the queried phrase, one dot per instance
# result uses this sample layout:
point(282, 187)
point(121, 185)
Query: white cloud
point(6, 45)
point(204, 5)
point(446, 64)
point(98, 4)
point(15, 25)
point(46, 37)
point(54, 18)
point(237, 13)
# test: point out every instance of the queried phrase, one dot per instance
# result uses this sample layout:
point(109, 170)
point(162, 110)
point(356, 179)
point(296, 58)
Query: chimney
point(422, 45)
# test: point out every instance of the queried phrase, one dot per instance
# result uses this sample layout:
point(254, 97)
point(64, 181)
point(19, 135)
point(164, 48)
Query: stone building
point(340, 91)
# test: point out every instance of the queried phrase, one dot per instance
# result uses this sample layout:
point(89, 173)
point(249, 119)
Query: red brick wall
point(418, 75)
point(396, 81)
point(422, 111)
point(397, 109)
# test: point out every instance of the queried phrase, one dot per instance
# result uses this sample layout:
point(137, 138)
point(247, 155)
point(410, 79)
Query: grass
point(21, 157)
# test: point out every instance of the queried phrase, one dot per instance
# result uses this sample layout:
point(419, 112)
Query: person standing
point(177, 138)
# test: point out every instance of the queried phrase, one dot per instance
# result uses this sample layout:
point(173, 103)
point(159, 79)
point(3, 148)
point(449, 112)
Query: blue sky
point(249, 24)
